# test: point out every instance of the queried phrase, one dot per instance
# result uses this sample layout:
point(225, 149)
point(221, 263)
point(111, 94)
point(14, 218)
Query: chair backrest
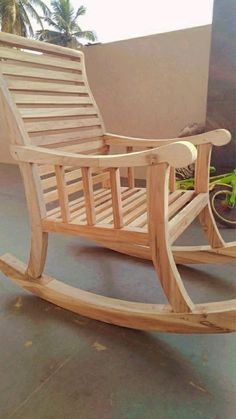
point(45, 100)
point(50, 91)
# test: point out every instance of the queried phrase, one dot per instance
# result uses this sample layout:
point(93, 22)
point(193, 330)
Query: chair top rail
point(34, 78)
point(25, 43)
point(178, 154)
point(216, 137)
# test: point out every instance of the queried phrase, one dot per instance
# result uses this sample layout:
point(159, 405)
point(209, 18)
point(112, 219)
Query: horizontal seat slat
point(180, 202)
point(127, 204)
point(140, 221)
point(106, 211)
point(185, 217)
point(103, 206)
point(23, 71)
point(174, 196)
point(176, 201)
point(51, 182)
point(74, 187)
point(78, 211)
point(76, 203)
point(136, 210)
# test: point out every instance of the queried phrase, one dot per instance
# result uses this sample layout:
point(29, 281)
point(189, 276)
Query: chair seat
point(134, 208)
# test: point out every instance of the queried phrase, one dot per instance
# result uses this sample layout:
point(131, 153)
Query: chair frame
point(159, 156)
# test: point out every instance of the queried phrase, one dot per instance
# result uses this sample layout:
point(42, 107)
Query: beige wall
point(151, 86)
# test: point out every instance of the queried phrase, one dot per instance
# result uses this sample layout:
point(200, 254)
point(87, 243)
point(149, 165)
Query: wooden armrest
point(178, 154)
point(217, 137)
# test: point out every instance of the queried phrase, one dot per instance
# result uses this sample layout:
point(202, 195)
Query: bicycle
point(222, 190)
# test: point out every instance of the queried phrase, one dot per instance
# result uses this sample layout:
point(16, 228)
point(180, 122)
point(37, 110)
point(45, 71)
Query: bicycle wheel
point(223, 213)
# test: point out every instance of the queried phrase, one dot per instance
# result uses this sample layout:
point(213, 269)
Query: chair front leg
point(163, 260)
point(37, 210)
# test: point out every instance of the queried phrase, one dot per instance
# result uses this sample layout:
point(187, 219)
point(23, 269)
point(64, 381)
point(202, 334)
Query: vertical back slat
point(131, 180)
point(62, 193)
point(116, 198)
point(88, 195)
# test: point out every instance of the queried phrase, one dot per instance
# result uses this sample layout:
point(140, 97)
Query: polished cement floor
point(57, 365)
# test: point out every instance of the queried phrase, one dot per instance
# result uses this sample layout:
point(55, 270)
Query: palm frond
point(41, 5)
point(24, 21)
point(34, 14)
point(51, 22)
point(64, 9)
point(64, 22)
point(89, 35)
point(80, 12)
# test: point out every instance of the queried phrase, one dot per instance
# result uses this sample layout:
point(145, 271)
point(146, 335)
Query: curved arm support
point(178, 154)
point(217, 137)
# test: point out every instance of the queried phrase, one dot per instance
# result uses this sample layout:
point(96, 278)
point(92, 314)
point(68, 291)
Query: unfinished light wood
point(56, 133)
point(176, 155)
point(211, 318)
point(52, 74)
point(49, 87)
point(183, 255)
point(88, 194)
point(130, 171)
point(62, 193)
point(202, 185)
point(36, 86)
point(186, 216)
point(158, 231)
point(37, 211)
point(217, 137)
point(37, 59)
point(172, 181)
point(116, 198)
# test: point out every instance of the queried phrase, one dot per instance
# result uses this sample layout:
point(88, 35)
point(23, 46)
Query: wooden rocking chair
point(73, 186)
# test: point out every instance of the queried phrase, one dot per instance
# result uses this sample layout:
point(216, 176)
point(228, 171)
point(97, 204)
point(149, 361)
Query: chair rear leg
point(202, 186)
point(169, 276)
point(210, 228)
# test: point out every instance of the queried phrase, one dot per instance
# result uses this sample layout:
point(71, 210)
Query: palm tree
point(66, 31)
point(15, 15)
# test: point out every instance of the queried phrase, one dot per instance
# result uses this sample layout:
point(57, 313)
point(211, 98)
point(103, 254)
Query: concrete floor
point(55, 364)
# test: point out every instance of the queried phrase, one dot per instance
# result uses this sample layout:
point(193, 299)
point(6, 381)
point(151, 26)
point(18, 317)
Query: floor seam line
point(39, 387)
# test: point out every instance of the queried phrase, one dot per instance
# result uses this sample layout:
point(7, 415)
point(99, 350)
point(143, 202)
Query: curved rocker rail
point(183, 255)
point(219, 317)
